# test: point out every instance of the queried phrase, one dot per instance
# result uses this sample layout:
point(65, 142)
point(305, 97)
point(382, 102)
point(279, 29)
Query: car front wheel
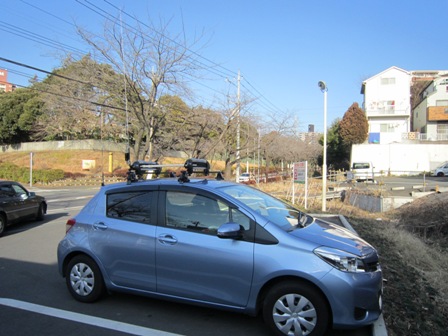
point(40, 212)
point(440, 174)
point(296, 308)
point(84, 279)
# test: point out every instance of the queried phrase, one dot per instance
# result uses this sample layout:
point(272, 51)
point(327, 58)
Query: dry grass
point(68, 161)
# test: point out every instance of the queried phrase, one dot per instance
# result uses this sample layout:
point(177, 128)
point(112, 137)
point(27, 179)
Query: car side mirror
point(230, 230)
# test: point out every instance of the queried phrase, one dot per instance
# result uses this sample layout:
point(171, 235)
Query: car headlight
point(341, 260)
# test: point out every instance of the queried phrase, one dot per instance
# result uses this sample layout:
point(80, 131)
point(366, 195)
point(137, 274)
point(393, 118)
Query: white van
point(362, 171)
point(441, 170)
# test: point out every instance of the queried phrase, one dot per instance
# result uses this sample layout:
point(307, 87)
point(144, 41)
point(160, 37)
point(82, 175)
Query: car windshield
point(275, 210)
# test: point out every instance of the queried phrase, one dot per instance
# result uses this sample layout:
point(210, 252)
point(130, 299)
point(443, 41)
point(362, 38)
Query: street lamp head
point(322, 86)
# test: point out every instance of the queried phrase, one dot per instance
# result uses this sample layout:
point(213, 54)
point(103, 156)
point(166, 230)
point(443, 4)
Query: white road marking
point(85, 319)
point(52, 211)
point(68, 199)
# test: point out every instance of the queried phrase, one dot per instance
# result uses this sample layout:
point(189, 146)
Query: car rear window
point(361, 166)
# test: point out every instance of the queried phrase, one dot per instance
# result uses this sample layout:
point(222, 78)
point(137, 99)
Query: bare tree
point(225, 129)
point(152, 64)
point(188, 129)
point(276, 128)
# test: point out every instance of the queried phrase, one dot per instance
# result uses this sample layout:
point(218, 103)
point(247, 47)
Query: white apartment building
point(387, 105)
point(430, 116)
point(407, 113)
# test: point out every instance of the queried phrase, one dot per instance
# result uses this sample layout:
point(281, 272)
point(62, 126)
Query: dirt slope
point(412, 243)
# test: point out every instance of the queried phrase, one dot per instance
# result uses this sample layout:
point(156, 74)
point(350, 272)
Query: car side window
point(241, 219)
point(194, 212)
point(19, 191)
point(133, 206)
point(7, 191)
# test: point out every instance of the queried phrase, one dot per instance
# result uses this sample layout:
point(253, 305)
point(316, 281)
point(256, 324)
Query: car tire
point(295, 304)
point(2, 224)
point(84, 279)
point(440, 174)
point(40, 212)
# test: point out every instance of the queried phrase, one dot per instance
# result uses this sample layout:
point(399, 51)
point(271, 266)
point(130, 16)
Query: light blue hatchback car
point(223, 245)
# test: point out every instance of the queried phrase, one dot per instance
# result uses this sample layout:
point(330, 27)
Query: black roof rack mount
point(149, 169)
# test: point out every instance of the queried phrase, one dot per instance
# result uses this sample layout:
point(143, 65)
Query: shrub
point(9, 171)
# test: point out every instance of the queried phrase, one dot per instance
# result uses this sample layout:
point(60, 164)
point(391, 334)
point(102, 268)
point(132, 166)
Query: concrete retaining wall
point(401, 158)
point(379, 203)
point(97, 145)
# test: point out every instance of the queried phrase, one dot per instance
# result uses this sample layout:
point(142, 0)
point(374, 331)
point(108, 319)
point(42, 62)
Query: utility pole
point(238, 161)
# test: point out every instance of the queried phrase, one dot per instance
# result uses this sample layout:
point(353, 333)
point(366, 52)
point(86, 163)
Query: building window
point(388, 81)
point(442, 128)
point(387, 128)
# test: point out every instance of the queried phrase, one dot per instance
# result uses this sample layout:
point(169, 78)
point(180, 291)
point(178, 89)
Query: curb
point(379, 327)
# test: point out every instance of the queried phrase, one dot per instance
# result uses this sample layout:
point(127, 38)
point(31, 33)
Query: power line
point(216, 69)
point(42, 70)
point(107, 16)
point(12, 29)
point(225, 71)
point(65, 96)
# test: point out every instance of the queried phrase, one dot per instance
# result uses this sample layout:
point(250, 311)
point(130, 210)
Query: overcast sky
point(282, 48)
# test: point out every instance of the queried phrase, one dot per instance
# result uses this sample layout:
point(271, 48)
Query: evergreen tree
point(18, 112)
point(338, 154)
point(354, 126)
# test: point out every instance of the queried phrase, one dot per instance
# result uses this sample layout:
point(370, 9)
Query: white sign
point(300, 175)
point(299, 172)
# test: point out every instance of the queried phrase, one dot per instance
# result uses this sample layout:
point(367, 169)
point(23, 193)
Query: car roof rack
point(149, 169)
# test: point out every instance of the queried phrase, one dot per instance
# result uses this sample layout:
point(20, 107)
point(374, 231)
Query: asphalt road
point(34, 299)
point(404, 186)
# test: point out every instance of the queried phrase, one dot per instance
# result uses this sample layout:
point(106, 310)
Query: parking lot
point(34, 299)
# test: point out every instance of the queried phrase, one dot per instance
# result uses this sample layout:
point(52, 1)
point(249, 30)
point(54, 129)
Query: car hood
point(332, 235)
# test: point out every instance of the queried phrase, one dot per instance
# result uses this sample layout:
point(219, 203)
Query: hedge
point(9, 171)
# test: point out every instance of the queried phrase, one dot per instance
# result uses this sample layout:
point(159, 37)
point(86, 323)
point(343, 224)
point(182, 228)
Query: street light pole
point(324, 89)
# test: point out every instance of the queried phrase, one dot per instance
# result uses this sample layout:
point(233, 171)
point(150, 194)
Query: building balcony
point(387, 112)
point(437, 113)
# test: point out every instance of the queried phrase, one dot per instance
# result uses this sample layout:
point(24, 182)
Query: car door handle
point(100, 226)
point(167, 239)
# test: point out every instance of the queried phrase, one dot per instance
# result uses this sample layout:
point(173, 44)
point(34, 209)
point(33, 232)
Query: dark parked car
point(224, 245)
point(18, 204)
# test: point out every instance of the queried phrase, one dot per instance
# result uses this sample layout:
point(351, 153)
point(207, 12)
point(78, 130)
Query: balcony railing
point(388, 111)
point(425, 136)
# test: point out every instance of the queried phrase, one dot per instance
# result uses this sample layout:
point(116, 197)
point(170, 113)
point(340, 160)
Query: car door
point(26, 206)
point(191, 261)
point(123, 238)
